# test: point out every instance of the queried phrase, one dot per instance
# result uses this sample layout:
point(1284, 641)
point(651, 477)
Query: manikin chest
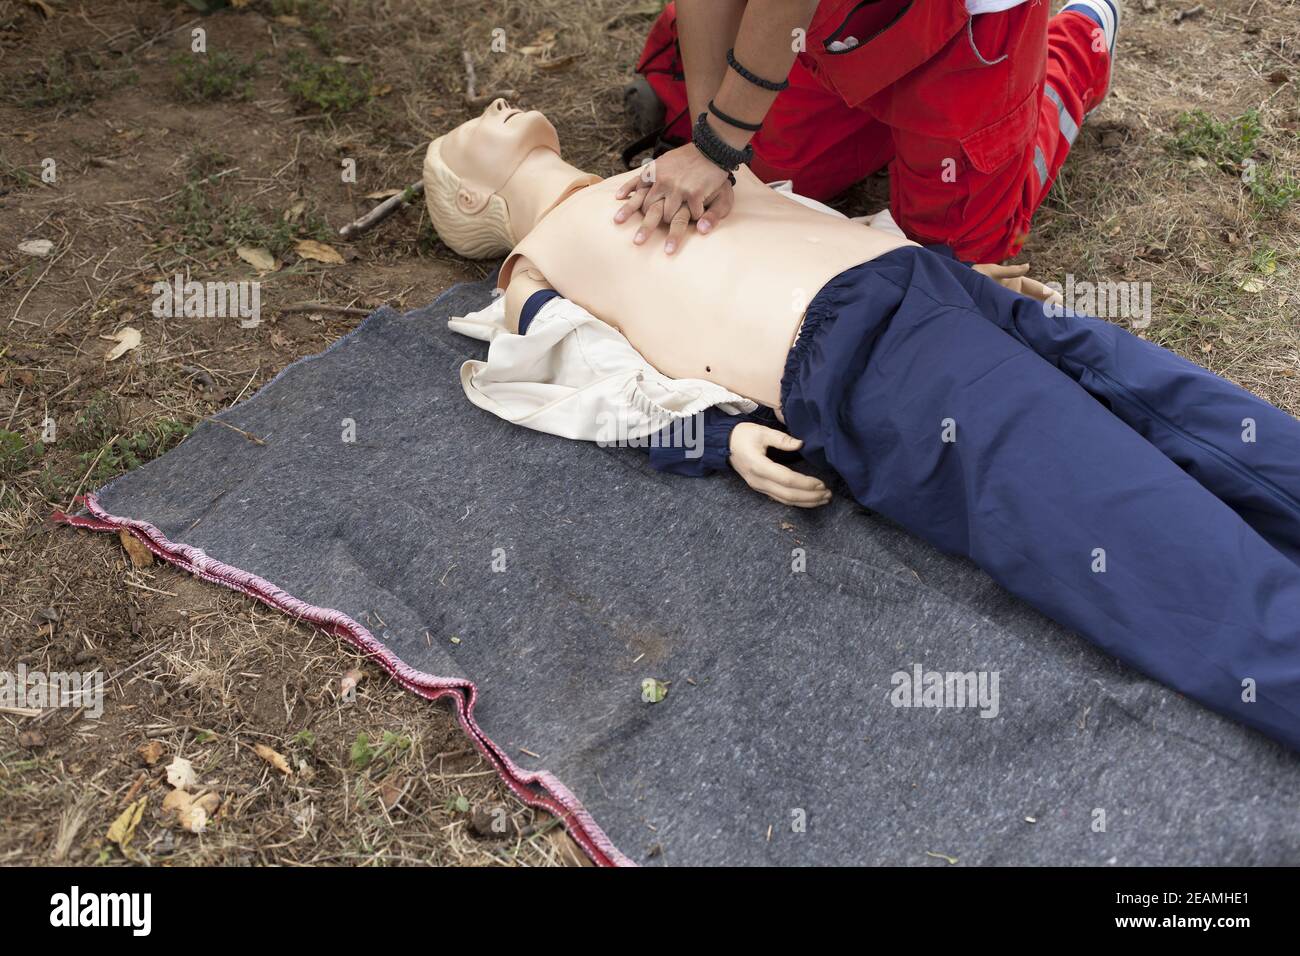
point(730, 300)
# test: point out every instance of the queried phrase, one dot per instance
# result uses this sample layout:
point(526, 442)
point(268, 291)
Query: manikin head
point(488, 181)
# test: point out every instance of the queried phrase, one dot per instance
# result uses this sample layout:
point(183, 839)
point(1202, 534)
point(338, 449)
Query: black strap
point(717, 150)
point(732, 121)
point(637, 147)
point(752, 78)
point(653, 139)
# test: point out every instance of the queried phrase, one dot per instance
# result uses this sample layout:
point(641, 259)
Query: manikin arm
point(556, 368)
point(741, 440)
point(716, 438)
point(525, 281)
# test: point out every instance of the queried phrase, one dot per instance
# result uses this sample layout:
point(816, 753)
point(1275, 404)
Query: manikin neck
point(542, 181)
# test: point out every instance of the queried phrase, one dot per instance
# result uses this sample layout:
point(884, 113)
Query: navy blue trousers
point(1134, 497)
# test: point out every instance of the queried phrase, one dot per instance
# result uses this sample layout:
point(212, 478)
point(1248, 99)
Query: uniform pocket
point(992, 147)
point(864, 23)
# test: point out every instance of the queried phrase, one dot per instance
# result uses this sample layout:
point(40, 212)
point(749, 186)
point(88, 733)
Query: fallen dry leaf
point(36, 247)
point(151, 752)
point(193, 818)
point(542, 43)
point(390, 791)
point(122, 829)
point(126, 339)
point(136, 786)
point(192, 813)
point(136, 550)
point(175, 800)
point(257, 257)
point(180, 774)
point(350, 681)
point(274, 759)
point(318, 251)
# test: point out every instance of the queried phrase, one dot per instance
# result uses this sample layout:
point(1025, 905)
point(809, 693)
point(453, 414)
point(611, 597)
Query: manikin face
point(485, 152)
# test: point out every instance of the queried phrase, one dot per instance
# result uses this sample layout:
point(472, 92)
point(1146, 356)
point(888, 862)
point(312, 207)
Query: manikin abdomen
point(726, 306)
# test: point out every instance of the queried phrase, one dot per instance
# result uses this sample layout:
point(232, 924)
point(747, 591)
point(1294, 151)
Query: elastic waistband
point(827, 304)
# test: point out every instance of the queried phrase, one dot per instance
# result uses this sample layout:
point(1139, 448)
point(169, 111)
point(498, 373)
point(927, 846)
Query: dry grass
point(158, 174)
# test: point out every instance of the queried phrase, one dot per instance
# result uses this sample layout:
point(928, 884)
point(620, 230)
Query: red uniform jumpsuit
point(973, 114)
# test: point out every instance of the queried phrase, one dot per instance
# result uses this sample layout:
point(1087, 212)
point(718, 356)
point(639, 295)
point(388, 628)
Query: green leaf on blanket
point(653, 691)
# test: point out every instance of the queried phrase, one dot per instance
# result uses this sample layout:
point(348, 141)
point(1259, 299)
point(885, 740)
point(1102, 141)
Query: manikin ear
point(471, 200)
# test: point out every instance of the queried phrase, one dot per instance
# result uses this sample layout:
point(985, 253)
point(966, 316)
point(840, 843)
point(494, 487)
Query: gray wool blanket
point(837, 691)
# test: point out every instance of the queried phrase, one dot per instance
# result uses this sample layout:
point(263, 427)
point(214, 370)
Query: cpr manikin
point(724, 308)
point(1139, 500)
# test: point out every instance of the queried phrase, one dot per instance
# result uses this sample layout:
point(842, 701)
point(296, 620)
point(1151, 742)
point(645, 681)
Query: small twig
point(324, 307)
point(537, 829)
point(470, 81)
point(249, 435)
point(20, 711)
point(43, 7)
point(382, 211)
point(50, 712)
point(475, 100)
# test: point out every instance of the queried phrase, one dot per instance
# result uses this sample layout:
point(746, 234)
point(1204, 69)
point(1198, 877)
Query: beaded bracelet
point(756, 80)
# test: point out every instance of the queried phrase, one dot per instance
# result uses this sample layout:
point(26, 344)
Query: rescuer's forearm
point(765, 47)
point(706, 30)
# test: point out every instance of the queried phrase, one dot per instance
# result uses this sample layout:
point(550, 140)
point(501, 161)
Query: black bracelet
point(716, 150)
point(732, 121)
point(756, 80)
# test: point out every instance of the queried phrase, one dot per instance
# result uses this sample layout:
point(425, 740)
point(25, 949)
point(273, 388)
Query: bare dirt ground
point(165, 162)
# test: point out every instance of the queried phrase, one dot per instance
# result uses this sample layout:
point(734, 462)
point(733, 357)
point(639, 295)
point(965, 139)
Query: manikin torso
point(727, 305)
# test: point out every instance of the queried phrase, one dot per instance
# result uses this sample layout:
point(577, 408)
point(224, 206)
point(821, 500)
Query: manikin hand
point(1016, 278)
point(679, 187)
point(749, 444)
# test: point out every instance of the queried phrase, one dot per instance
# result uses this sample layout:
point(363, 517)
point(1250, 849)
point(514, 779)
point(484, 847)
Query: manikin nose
point(499, 105)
